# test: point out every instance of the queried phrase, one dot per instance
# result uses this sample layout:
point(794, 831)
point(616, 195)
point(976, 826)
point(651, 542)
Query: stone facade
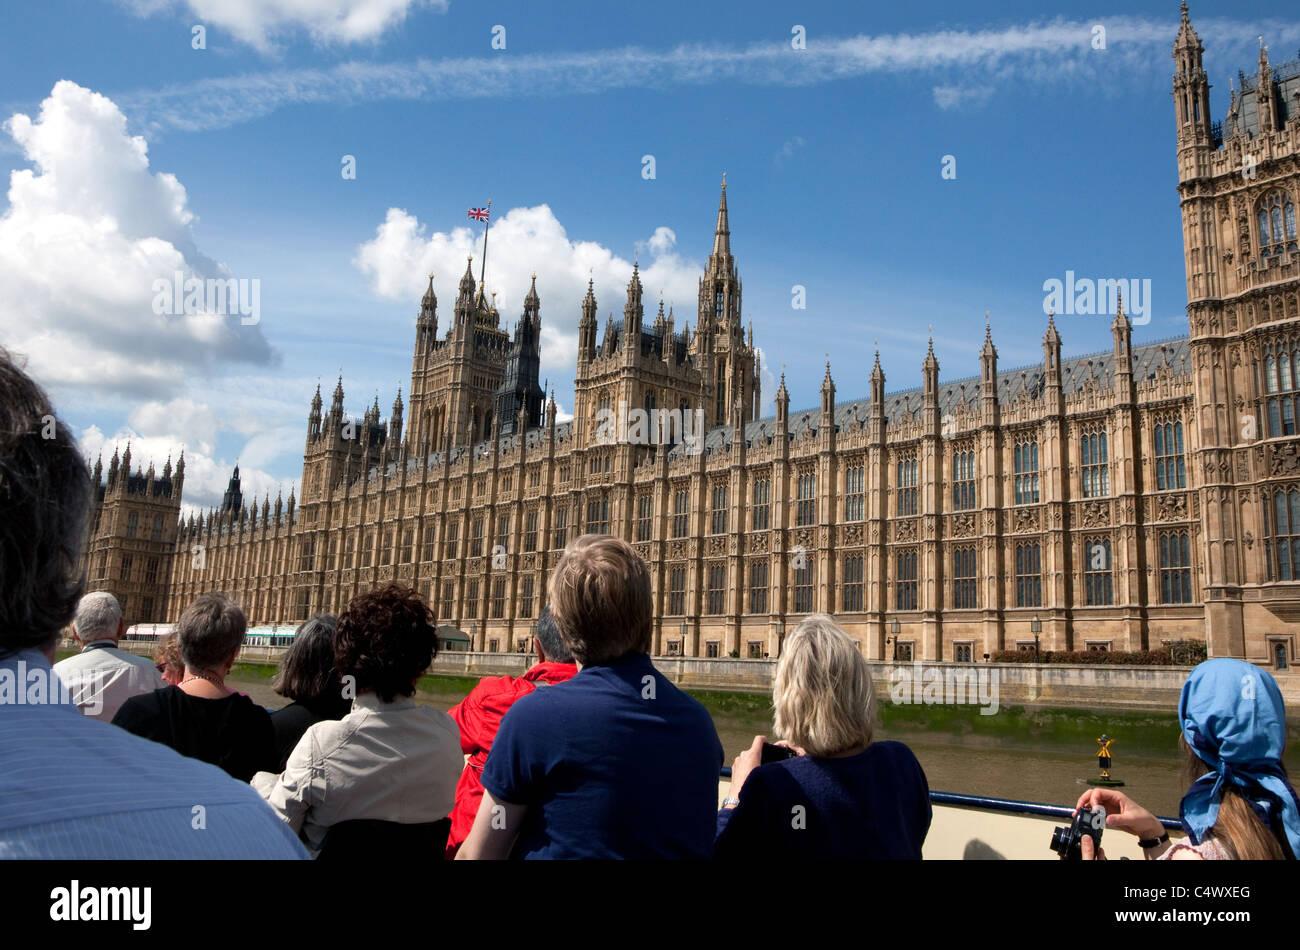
point(133, 535)
point(1110, 501)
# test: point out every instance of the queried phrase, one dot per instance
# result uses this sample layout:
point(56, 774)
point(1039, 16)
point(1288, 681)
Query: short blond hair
point(824, 698)
point(600, 599)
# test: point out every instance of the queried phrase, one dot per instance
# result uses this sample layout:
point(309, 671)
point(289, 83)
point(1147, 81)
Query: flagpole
point(483, 269)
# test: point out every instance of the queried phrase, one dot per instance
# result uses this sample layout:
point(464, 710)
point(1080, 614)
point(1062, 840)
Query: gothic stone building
point(1110, 501)
point(132, 534)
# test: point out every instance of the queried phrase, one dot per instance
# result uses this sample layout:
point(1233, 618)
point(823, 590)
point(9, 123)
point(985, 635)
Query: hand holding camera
point(1084, 832)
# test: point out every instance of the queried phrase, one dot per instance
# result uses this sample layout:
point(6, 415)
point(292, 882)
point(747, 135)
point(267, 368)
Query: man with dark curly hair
point(390, 760)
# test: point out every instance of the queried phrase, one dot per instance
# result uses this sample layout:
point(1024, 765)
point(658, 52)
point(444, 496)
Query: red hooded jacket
point(478, 716)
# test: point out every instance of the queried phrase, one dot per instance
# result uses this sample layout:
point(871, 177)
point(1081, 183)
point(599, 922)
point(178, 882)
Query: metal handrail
point(1011, 806)
point(1008, 806)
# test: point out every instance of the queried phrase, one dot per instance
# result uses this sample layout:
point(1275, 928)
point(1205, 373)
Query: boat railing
point(1009, 806)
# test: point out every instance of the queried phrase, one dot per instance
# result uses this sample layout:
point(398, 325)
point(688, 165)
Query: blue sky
point(1064, 161)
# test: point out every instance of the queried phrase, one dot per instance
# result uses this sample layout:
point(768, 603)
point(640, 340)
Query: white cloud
point(955, 97)
point(399, 258)
point(251, 412)
point(260, 23)
point(206, 477)
point(182, 420)
point(87, 232)
point(1052, 51)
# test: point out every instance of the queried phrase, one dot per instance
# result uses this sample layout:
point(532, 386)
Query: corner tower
point(1238, 188)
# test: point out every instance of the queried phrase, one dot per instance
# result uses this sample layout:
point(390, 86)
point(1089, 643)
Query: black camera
point(1068, 842)
point(776, 753)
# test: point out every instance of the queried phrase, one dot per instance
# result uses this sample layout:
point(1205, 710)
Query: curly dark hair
point(386, 639)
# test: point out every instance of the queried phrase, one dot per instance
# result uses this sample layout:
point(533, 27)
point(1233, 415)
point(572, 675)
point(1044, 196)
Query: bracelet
point(733, 802)
point(1145, 843)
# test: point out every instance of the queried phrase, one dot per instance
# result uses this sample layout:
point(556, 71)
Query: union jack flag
point(478, 214)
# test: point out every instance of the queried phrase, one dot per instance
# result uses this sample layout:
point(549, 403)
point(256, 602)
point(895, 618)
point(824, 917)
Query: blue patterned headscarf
point(1232, 717)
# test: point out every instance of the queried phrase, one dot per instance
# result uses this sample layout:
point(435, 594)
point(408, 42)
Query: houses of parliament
point(1110, 501)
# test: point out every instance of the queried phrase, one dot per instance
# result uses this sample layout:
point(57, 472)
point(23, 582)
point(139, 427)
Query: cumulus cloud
point(398, 259)
point(181, 419)
point(261, 23)
point(157, 431)
point(205, 477)
point(88, 231)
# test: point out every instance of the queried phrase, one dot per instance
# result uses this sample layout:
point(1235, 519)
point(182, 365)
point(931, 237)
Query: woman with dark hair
point(307, 676)
point(202, 717)
point(388, 763)
point(1240, 804)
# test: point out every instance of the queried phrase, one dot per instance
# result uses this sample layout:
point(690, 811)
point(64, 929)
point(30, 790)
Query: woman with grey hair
point(202, 718)
point(307, 677)
point(827, 791)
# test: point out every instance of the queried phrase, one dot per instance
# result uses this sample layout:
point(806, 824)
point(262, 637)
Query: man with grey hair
point(102, 676)
point(479, 715)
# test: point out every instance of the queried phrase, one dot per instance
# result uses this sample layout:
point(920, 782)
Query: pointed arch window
point(1286, 535)
point(1025, 456)
point(1276, 222)
point(1096, 465)
point(1171, 463)
point(1175, 568)
point(1281, 387)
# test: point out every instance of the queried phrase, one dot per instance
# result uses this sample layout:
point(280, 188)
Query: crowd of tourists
point(592, 753)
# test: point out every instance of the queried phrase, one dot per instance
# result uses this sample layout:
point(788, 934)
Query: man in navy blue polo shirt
point(615, 763)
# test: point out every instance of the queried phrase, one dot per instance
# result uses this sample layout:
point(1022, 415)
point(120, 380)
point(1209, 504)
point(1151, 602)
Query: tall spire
point(587, 326)
point(532, 302)
point(720, 259)
point(336, 407)
point(828, 390)
point(988, 350)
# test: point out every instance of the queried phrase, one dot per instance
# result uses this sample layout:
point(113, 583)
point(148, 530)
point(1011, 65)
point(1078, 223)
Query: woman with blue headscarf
point(1240, 804)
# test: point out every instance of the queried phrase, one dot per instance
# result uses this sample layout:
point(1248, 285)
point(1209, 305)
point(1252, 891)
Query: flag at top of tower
point(478, 214)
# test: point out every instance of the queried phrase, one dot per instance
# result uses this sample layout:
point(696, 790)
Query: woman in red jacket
point(479, 715)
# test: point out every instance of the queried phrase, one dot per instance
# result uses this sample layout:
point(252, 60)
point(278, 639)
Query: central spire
point(720, 259)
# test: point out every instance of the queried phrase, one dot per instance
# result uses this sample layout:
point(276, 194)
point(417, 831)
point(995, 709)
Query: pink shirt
point(1209, 849)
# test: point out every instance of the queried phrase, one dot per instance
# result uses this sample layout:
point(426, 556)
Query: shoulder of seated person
point(891, 747)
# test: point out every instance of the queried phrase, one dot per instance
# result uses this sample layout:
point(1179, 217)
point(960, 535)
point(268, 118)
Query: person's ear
point(537, 646)
point(121, 628)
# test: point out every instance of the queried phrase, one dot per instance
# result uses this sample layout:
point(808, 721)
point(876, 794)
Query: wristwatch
point(1145, 843)
point(733, 802)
